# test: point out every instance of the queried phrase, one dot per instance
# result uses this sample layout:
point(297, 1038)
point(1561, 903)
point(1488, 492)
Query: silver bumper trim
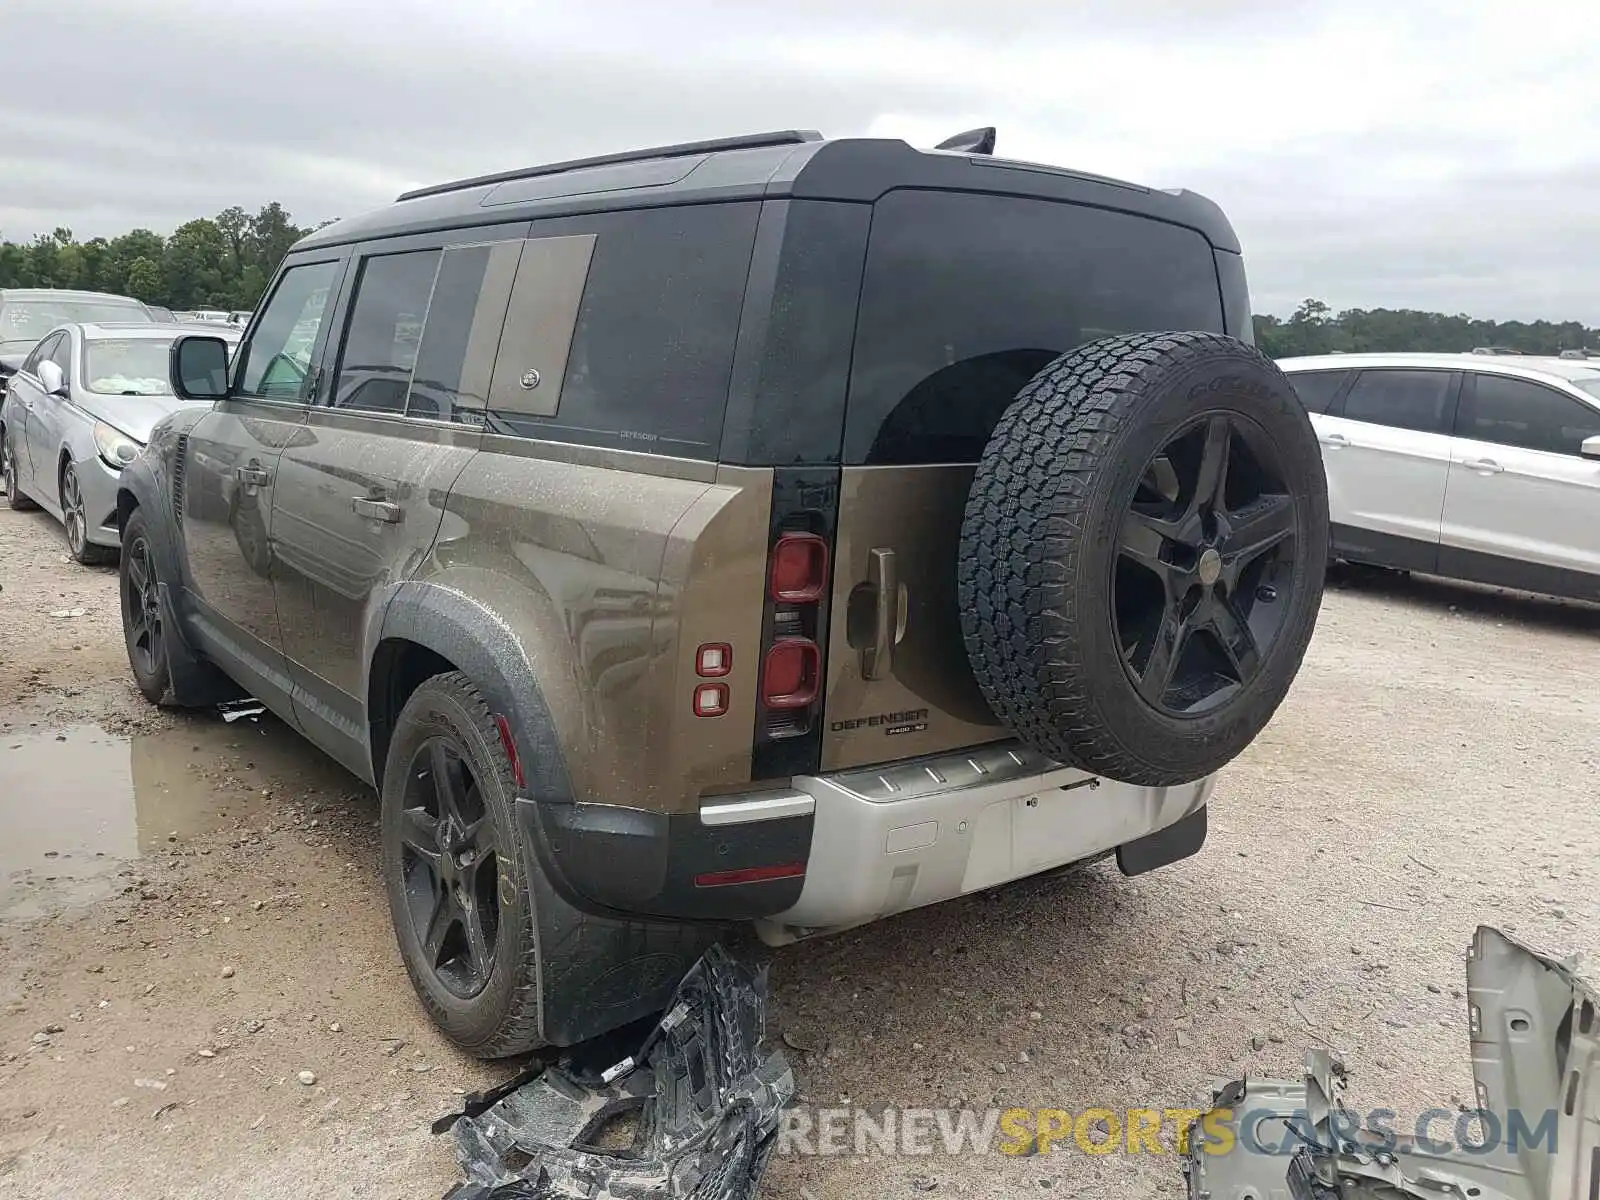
point(767, 806)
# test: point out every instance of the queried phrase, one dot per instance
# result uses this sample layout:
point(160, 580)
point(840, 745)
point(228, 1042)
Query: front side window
point(1519, 412)
point(61, 355)
point(1400, 399)
point(41, 353)
point(127, 366)
point(276, 362)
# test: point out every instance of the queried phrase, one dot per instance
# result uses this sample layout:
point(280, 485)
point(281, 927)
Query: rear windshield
point(32, 319)
point(967, 297)
point(127, 366)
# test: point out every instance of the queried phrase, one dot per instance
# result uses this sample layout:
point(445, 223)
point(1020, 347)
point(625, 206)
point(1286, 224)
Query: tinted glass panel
point(61, 354)
point(41, 352)
point(276, 362)
point(24, 319)
point(1517, 412)
point(652, 348)
point(1403, 399)
point(384, 331)
point(465, 313)
point(1317, 388)
point(967, 297)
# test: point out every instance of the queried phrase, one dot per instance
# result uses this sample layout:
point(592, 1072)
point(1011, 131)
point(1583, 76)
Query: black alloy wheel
point(1206, 547)
point(451, 865)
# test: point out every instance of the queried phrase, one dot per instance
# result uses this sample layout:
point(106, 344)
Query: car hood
point(136, 416)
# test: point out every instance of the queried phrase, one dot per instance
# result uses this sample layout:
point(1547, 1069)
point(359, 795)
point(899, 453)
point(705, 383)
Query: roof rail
point(752, 141)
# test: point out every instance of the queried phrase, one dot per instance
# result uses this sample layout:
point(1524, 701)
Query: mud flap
point(1165, 846)
point(703, 1096)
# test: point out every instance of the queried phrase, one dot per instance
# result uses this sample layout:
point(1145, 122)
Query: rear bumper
point(844, 849)
point(915, 833)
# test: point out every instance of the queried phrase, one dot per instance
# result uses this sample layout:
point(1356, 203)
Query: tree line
point(226, 261)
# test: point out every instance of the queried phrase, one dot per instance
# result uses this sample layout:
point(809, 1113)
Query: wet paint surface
point(78, 804)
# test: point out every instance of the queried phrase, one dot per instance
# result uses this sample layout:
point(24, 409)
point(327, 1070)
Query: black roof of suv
point(768, 166)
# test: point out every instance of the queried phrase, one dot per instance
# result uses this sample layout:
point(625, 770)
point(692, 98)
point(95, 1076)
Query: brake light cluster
point(791, 671)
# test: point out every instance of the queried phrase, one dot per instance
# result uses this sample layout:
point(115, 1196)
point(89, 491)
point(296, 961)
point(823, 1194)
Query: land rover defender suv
point(771, 530)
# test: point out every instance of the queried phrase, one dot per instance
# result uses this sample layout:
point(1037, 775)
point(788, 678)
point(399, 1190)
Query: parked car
point(27, 314)
point(1476, 467)
point(768, 530)
point(79, 409)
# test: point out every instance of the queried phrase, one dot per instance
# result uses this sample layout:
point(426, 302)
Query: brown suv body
point(549, 430)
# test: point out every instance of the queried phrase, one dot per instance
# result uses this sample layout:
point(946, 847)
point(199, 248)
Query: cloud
point(1370, 154)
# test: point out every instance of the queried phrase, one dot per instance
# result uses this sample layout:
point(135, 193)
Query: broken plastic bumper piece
point(693, 1112)
point(1535, 1134)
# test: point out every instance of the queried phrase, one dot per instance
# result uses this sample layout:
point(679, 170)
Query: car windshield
point(32, 319)
point(1590, 385)
point(128, 366)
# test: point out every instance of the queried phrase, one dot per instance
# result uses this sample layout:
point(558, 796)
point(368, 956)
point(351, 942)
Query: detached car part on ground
point(843, 529)
point(1535, 1030)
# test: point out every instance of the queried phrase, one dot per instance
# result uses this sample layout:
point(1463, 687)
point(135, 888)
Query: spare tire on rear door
point(1142, 555)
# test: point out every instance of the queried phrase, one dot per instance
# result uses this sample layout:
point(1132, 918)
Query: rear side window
point(422, 330)
point(1317, 389)
point(622, 327)
point(967, 297)
point(1519, 412)
point(1400, 399)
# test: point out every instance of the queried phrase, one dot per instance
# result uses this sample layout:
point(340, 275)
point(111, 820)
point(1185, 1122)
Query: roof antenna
point(973, 141)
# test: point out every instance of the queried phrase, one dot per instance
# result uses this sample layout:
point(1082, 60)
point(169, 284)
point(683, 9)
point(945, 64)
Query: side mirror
point(198, 364)
point(1590, 447)
point(51, 378)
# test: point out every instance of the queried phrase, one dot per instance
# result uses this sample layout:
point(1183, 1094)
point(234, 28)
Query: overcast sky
point(1370, 152)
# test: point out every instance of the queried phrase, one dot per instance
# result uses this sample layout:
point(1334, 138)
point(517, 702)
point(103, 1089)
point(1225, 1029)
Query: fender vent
point(179, 468)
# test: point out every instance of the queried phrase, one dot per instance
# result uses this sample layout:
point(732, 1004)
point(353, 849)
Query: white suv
point(1473, 466)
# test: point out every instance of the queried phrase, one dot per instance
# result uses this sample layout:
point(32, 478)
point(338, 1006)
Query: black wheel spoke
point(479, 957)
point(1166, 648)
point(419, 833)
point(1212, 478)
point(444, 915)
point(1145, 539)
point(1233, 635)
point(447, 781)
point(1257, 528)
point(137, 575)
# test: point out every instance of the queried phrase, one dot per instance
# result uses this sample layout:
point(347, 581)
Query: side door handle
point(1334, 440)
point(377, 510)
point(1483, 466)
point(253, 476)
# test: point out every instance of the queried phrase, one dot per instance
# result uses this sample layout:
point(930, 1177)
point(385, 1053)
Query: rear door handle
point(378, 510)
point(254, 476)
point(1483, 466)
point(1334, 440)
point(877, 658)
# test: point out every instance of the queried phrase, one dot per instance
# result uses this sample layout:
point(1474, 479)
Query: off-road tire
point(502, 1019)
point(1037, 550)
point(16, 499)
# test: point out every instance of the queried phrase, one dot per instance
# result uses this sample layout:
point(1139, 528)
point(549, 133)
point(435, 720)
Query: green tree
point(143, 281)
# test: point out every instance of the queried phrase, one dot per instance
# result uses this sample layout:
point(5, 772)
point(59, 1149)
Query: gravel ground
point(1434, 768)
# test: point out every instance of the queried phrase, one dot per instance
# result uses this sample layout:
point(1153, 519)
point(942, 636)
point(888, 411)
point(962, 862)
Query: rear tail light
point(794, 632)
point(799, 569)
point(791, 675)
point(713, 661)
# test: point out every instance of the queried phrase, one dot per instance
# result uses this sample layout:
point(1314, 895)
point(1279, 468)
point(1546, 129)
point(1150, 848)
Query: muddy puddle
point(78, 804)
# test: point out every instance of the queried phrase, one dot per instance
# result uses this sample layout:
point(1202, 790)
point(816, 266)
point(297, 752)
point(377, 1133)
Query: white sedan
point(1472, 466)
